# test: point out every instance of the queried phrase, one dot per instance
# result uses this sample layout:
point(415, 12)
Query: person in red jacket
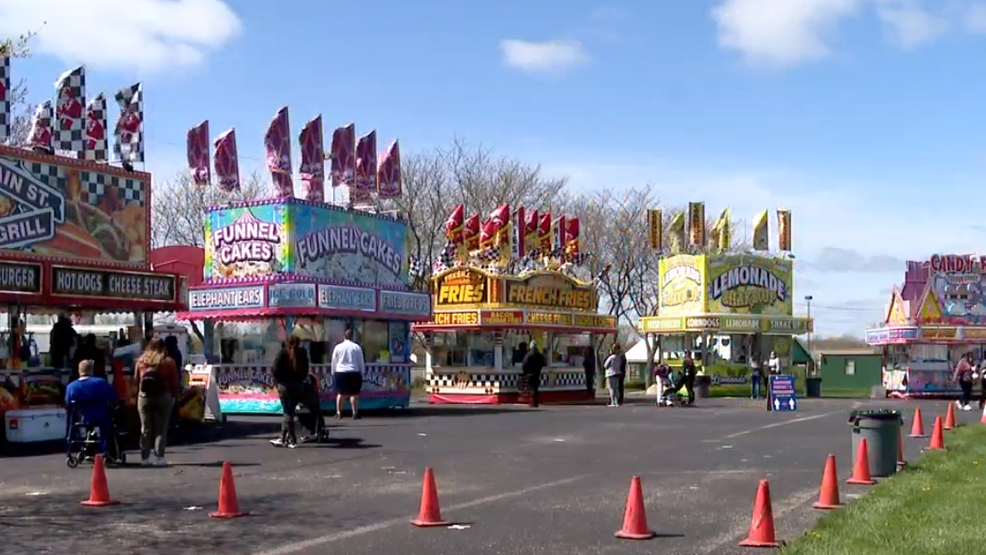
point(157, 388)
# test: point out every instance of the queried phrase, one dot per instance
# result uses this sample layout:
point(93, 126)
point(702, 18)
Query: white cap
point(534, 345)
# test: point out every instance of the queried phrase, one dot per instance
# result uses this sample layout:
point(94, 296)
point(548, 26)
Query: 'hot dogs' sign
point(80, 282)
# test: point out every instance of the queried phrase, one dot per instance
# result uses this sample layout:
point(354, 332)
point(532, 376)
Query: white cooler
point(35, 425)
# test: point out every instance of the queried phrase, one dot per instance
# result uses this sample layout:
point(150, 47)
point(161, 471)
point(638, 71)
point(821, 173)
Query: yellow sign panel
point(465, 318)
point(549, 319)
point(656, 324)
point(974, 333)
point(939, 333)
point(681, 280)
point(929, 310)
point(896, 314)
point(594, 321)
point(550, 291)
point(502, 317)
point(749, 284)
point(461, 287)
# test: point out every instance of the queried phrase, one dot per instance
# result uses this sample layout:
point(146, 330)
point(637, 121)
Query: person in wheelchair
point(90, 400)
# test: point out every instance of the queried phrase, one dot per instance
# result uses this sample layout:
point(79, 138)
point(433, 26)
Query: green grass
point(933, 507)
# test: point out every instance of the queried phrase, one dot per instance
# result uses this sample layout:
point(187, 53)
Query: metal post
point(811, 356)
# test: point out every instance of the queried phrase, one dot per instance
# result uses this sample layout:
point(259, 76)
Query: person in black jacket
point(589, 367)
point(690, 373)
point(533, 363)
point(290, 371)
point(89, 350)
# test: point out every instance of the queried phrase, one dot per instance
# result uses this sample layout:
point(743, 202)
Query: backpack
point(151, 382)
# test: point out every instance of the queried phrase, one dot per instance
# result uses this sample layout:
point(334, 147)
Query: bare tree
point(21, 111)
point(435, 182)
point(178, 207)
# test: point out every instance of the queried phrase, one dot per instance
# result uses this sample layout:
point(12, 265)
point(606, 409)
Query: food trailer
point(745, 297)
point(74, 237)
point(933, 319)
point(472, 344)
point(286, 266)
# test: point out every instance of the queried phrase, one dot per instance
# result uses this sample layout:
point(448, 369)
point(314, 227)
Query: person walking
point(533, 363)
point(157, 389)
point(690, 373)
point(290, 370)
point(589, 368)
point(963, 375)
point(756, 379)
point(621, 368)
point(611, 368)
point(347, 371)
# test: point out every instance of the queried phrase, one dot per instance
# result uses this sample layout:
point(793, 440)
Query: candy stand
point(933, 319)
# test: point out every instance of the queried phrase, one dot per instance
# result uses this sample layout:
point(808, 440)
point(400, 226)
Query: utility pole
point(811, 356)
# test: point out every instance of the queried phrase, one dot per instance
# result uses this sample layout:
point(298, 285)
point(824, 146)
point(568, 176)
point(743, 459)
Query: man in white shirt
point(347, 372)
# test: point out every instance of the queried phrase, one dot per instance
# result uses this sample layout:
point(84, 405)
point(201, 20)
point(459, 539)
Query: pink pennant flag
point(344, 156)
point(366, 169)
point(226, 161)
point(277, 143)
point(389, 178)
point(312, 161)
point(197, 152)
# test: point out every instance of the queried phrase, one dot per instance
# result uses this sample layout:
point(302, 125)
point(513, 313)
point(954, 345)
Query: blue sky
point(862, 116)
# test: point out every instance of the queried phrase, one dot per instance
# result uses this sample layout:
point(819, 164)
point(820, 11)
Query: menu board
point(109, 284)
point(20, 277)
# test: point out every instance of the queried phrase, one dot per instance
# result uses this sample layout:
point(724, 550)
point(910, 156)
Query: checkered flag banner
point(41, 127)
point(446, 259)
point(95, 141)
point(128, 134)
point(414, 268)
point(70, 107)
point(5, 91)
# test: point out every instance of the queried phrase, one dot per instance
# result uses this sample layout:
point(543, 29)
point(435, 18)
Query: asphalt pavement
point(551, 481)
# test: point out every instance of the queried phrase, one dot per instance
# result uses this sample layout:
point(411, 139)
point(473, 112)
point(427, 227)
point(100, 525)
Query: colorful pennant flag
point(70, 106)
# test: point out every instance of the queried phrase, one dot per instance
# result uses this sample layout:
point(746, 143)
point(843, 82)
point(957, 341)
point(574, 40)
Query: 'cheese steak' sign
point(20, 278)
point(552, 291)
point(108, 284)
point(462, 287)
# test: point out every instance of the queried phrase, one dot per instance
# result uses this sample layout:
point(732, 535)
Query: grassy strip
point(934, 507)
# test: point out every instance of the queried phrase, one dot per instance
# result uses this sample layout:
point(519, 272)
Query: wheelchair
point(84, 440)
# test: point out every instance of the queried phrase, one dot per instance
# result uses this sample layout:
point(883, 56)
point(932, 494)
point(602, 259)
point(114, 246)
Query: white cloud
point(779, 32)
point(785, 33)
point(975, 18)
point(553, 56)
point(130, 35)
point(908, 24)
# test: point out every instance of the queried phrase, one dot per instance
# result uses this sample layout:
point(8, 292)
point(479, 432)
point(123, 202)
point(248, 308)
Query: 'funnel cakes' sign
point(246, 243)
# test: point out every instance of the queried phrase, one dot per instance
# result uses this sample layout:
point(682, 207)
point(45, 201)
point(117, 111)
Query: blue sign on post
point(782, 394)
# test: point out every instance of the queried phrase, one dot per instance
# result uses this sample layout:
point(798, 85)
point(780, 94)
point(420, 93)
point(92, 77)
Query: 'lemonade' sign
point(745, 284)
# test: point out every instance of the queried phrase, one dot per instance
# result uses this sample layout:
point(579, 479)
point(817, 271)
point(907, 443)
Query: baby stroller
point(671, 396)
point(309, 413)
point(83, 440)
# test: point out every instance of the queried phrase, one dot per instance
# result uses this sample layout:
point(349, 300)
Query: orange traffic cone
point(950, 417)
point(917, 426)
point(762, 526)
point(635, 516)
point(429, 514)
point(229, 506)
point(982, 419)
point(937, 436)
point(99, 491)
point(861, 471)
point(901, 463)
point(828, 496)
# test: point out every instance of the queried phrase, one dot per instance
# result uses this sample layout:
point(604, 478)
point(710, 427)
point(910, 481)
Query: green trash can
point(881, 430)
point(703, 386)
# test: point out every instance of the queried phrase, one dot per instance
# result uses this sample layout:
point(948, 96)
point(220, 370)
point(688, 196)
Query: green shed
point(849, 373)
